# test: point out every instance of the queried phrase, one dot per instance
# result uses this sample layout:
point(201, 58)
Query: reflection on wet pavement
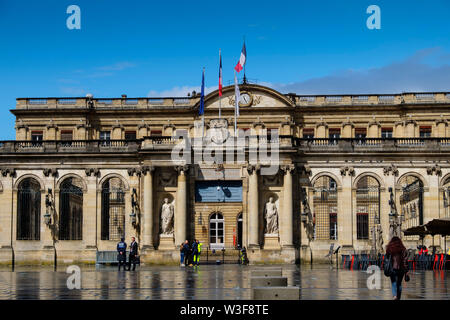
point(208, 282)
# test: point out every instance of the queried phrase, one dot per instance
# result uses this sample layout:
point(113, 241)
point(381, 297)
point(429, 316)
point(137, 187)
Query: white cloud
point(426, 70)
point(117, 66)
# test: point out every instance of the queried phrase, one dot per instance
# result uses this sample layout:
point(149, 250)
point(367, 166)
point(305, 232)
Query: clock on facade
point(246, 99)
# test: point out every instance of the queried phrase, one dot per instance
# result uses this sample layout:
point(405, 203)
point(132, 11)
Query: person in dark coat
point(194, 252)
point(133, 254)
point(398, 254)
point(122, 253)
point(187, 252)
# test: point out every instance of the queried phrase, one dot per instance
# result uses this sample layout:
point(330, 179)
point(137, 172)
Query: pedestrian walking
point(187, 251)
point(133, 254)
point(243, 256)
point(122, 253)
point(181, 255)
point(199, 251)
point(194, 252)
point(396, 251)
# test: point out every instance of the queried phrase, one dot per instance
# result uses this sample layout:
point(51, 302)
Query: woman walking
point(182, 255)
point(398, 254)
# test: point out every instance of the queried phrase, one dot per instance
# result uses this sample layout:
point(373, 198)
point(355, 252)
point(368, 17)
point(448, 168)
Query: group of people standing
point(190, 253)
point(122, 254)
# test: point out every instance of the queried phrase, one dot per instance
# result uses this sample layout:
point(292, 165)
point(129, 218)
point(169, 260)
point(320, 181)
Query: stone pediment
point(252, 96)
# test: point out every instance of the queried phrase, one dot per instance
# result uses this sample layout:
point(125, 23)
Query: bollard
point(268, 281)
point(267, 273)
point(276, 293)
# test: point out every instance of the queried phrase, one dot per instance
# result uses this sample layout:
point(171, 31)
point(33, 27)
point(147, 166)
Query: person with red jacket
point(398, 254)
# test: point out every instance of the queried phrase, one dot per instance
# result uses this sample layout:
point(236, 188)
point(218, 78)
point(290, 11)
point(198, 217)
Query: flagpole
point(203, 113)
point(244, 80)
point(235, 109)
point(220, 97)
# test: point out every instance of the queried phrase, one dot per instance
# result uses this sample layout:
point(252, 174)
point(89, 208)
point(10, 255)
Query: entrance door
point(216, 231)
point(239, 231)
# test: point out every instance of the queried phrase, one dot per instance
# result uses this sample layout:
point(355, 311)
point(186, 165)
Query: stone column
point(441, 128)
point(143, 130)
point(345, 210)
point(321, 129)
point(81, 132)
point(410, 128)
point(286, 219)
point(90, 214)
point(117, 131)
point(398, 130)
point(169, 129)
point(51, 131)
point(6, 217)
point(21, 132)
point(374, 129)
point(181, 205)
point(147, 239)
point(347, 129)
point(253, 228)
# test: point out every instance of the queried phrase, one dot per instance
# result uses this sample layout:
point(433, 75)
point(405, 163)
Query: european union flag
point(201, 110)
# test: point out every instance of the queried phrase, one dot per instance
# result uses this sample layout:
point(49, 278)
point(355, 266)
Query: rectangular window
point(386, 133)
point(333, 226)
point(37, 135)
point(156, 133)
point(308, 133)
point(105, 136)
point(425, 131)
point(130, 135)
point(334, 134)
point(360, 135)
point(66, 135)
point(362, 226)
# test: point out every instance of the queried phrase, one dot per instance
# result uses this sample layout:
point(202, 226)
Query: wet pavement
point(209, 282)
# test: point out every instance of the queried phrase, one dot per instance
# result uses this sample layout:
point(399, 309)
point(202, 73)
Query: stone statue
point(167, 217)
point(271, 216)
point(380, 241)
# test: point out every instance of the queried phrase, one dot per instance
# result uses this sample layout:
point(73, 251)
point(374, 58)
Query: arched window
point(216, 231)
point(71, 209)
point(411, 197)
point(325, 208)
point(28, 210)
point(113, 209)
point(367, 207)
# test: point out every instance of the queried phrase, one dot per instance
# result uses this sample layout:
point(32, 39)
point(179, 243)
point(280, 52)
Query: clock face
point(246, 99)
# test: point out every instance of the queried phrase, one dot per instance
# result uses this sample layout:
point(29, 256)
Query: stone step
point(268, 281)
point(267, 272)
point(276, 293)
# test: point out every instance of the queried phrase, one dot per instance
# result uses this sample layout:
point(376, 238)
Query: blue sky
point(158, 48)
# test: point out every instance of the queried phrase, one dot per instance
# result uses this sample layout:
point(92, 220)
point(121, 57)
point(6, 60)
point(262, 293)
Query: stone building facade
point(84, 172)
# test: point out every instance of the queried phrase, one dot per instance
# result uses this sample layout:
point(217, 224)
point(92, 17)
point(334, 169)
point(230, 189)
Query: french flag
point(240, 64)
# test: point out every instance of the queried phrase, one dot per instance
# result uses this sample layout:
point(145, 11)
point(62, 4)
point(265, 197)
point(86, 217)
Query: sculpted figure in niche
point(271, 216)
point(167, 217)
